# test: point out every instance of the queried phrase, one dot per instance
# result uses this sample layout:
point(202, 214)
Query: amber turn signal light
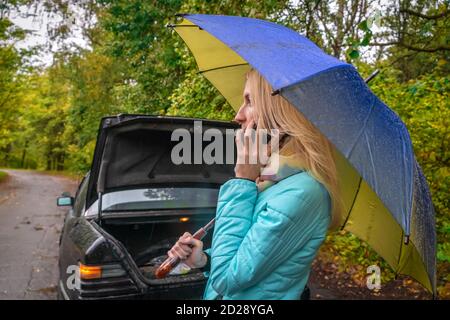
point(90, 272)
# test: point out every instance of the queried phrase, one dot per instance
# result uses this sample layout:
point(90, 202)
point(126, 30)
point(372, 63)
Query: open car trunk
point(147, 240)
point(146, 201)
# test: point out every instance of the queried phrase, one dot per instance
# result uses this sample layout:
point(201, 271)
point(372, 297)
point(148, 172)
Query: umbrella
point(386, 197)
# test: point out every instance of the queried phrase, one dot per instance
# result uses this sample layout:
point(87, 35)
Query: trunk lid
point(134, 152)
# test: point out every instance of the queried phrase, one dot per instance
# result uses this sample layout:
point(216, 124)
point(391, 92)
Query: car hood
point(134, 151)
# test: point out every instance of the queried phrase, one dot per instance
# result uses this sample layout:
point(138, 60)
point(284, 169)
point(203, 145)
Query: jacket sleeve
point(243, 252)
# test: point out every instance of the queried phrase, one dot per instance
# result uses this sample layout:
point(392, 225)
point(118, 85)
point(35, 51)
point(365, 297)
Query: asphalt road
point(30, 225)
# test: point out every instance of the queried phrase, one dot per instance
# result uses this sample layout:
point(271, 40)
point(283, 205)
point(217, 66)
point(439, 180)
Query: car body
point(133, 205)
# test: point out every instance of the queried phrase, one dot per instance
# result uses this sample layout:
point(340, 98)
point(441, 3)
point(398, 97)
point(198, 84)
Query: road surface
point(30, 225)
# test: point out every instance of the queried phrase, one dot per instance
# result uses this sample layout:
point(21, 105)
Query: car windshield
point(156, 198)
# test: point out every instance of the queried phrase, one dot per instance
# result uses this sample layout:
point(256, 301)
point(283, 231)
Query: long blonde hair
point(313, 149)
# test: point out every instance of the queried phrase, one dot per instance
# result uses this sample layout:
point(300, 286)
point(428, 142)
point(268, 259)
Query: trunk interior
point(147, 240)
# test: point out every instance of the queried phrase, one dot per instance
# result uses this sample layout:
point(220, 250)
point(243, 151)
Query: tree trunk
point(24, 153)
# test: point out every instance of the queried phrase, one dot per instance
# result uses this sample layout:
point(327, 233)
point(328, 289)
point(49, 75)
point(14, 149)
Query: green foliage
point(443, 254)
point(201, 100)
point(195, 96)
point(350, 250)
point(12, 74)
point(139, 40)
point(3, 176)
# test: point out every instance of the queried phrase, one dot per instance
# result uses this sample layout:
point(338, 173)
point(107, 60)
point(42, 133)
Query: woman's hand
point(248, 165)
point(189, 250)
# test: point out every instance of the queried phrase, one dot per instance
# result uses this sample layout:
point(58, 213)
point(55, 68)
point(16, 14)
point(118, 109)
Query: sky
point(37, 24)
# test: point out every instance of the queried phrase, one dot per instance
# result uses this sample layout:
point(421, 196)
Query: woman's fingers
point(248, 165)
point(240, 146)
point(251, 124)
point(189, 250)
point(191, 241)
point(250, 144)
point(180, 249)
point(185, 235)
point(242, 134)
point(178, 252)
point(188, 240)
point(185, 248)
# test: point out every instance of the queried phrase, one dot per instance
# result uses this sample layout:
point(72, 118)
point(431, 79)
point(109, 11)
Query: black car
point(134, 204)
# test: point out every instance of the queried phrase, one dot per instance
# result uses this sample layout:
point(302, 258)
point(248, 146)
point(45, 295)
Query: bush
point(3, 176)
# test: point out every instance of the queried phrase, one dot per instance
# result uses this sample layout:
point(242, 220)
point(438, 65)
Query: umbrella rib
point(170, 25)
point(371, 162)
point(353, 203)
point(398, 268)
point(223, 67)
point(360, 133)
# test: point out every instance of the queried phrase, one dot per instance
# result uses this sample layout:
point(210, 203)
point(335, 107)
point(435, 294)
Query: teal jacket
point(264, 243)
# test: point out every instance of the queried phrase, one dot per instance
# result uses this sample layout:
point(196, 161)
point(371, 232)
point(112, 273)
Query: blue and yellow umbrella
point(386, 197)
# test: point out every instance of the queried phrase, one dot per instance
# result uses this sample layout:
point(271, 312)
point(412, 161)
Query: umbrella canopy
point(386, 197)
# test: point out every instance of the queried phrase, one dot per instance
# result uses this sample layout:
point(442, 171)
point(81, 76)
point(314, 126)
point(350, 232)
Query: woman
point(268, 229)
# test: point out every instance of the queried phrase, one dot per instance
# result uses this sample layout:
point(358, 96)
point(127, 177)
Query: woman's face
point(247, 112)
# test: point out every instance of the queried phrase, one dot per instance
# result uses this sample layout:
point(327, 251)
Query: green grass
point(3, 176)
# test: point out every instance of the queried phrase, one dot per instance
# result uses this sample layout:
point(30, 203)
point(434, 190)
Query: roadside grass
point(3, 176)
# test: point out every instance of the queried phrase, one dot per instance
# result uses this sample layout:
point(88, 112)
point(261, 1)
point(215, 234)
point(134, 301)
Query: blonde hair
point(313, 149)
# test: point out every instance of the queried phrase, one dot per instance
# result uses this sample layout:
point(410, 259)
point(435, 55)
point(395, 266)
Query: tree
point(12, 67)
point(416, 37)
